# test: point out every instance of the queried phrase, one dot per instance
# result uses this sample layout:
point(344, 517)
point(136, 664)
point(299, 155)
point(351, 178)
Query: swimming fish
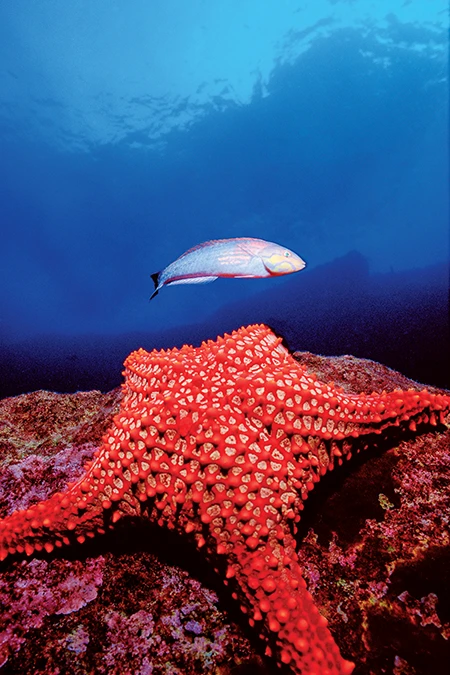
point(240, 258)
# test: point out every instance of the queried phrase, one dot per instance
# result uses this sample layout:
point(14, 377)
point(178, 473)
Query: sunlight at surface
point(101, 72)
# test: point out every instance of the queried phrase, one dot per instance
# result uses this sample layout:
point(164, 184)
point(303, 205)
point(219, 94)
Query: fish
point(238, 258)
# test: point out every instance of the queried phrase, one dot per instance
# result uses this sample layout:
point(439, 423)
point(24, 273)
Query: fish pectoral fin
point(192, 280)
point(267, 268)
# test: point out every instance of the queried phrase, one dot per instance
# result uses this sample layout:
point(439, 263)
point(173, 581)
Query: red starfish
point(224, 442)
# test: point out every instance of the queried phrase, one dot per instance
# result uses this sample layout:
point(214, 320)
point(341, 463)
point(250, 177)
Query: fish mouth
point(290, 268)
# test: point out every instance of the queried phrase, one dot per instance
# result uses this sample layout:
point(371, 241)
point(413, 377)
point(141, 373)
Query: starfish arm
point(250, 523)
point(74, 514)
point(362, 415)
point(302, 406)
point(50, 523)
point(272, 592)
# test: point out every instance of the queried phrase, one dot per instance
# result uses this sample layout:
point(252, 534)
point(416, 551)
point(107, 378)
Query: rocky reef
point(373, 543)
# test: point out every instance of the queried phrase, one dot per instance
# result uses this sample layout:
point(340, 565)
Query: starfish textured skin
point(223, 443)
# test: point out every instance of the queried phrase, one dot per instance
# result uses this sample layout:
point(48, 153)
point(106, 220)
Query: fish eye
point(286, 254)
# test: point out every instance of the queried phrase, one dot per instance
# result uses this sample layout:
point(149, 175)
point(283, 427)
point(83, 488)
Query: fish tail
point(155, 277)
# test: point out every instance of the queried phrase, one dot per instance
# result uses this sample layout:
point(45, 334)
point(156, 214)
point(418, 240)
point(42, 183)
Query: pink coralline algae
point(356, 546)
point(42, 590)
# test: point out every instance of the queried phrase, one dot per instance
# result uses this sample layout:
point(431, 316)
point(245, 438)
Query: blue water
point(130, 132)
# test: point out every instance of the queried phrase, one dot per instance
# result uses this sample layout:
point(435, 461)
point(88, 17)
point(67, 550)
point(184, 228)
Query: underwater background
point(130, 132)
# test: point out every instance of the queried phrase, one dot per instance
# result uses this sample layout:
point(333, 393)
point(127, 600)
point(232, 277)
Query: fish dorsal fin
point(192, 280)
point(219, 241)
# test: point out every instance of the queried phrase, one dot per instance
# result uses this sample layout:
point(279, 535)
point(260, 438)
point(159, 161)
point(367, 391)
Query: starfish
point(223, 443)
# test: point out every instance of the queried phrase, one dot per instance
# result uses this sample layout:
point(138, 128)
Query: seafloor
point(374, 544)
